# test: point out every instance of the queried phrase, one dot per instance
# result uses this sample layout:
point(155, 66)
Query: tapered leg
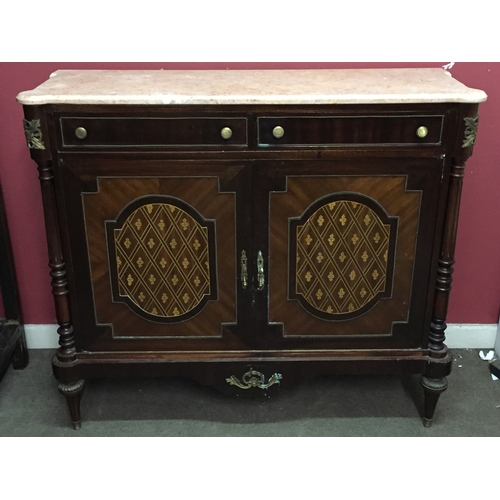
point(433, 387)
point(73, 393)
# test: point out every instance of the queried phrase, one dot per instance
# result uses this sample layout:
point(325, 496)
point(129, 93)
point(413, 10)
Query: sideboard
point(251, 229)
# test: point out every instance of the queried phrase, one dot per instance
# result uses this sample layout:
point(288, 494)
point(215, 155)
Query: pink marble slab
point(349, 86)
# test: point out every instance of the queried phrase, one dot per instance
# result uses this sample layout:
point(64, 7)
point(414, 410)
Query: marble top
point(323, 86)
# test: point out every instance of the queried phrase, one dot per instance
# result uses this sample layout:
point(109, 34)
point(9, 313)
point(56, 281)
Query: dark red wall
point(476, 287)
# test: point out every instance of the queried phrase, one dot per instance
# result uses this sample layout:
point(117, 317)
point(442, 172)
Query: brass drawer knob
point(80, 133)
point(278, 132)
point(422, 132)
point(226, 133)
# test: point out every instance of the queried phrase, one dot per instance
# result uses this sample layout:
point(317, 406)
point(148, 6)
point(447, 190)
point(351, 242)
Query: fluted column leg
point(434, 378)
point(73, 393)
point(35, 126)
point(433, 388)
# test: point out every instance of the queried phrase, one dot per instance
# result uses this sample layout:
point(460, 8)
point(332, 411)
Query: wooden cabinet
point(257, 237)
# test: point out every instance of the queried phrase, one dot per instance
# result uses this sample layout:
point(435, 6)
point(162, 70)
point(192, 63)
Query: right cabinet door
point(349, 247)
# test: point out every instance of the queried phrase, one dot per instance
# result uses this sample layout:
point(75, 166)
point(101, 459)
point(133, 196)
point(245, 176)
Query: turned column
point(434, 380)
point(37, 141)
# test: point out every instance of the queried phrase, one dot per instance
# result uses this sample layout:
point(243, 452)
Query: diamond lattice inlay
point(162, 260)
point(342, 253)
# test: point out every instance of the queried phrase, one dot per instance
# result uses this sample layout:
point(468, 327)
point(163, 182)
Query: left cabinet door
point(153, 249)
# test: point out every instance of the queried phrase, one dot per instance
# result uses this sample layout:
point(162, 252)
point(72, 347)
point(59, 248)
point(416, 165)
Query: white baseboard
point(470, 336)
point(42, 336)
point(497, 342)
point(458, 336)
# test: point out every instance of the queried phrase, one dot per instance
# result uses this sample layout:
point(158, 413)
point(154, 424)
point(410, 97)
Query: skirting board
point(497, 342)
point(458, 336)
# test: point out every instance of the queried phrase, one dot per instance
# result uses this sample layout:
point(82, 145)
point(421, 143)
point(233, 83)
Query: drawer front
point(334, 131)
point(133, 132)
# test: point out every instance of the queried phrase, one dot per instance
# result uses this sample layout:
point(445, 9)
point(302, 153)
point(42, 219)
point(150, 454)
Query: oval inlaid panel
point(342, 253)
point(162, 260)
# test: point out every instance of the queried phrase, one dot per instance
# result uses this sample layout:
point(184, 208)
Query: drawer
point(331, 131)
point(136, 132)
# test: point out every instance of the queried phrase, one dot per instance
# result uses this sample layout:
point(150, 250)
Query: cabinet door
point(348, 248)
point(154, 251)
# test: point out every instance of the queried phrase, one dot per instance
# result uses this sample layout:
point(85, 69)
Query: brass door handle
point(260, 271)
point(244, 270)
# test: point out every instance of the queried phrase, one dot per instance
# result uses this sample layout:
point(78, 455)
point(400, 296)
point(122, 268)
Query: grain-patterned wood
point(334, 131)
point(200, 193)
point(397, 199)
point(133, 132)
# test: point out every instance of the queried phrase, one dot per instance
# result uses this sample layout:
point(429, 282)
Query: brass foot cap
point(77, 425)
point(427, 422)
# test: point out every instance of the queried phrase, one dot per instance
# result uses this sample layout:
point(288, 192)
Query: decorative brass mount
point(471, 123)
point(33, 134)
point(253, 378)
